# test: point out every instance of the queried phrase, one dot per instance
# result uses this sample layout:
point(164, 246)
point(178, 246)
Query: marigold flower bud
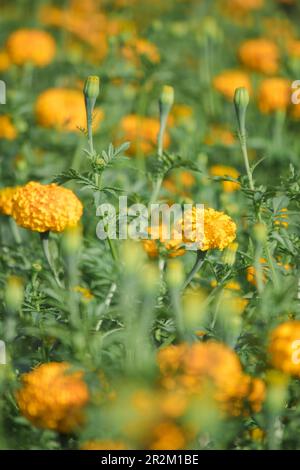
point(91, 88)
point(241, 101)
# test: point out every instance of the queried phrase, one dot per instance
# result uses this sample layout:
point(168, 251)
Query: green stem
point(15, 231)
point(156, 190)
point(198, 264)
point(46, 250)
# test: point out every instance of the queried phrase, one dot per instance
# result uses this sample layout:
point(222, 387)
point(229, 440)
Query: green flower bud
point(167, 96)
point(92, 87)
point(241, 101)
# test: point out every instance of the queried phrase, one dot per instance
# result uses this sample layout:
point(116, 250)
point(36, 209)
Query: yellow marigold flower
point(4, 61)
point(158, 243)
point(195, 366)
point(274, 95)
point(219, 135)
point(223, 171)
point(64, 109)
point(142, 133)
point(261, 55)
point(86, 293)
point(7, 129)
point(257, 434)
point(167, 436)
point(31, 46)
point(103, 444)
point(284, 347)
point(42, 208)
point(53, 397)
point(219, 229)
point(6, 199)
point(137, 48)
point(228, 81)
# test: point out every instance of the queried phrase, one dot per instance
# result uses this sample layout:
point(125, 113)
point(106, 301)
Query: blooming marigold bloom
point(103, 444)
point(251, 272)
point(219, 229)
point(228, 81)
point(63, 109)
point(31, 46)
point(42, 208)
point(53, 397)
point(167, 436)
point(274, 95)
point(142, 133)
point(284, 347)
point(261, 55)
point(243, 6)
point(7, 129)
point(170, 245)
point(213, 363)
point(223, 171)
point(179, 182)
point(6, 199)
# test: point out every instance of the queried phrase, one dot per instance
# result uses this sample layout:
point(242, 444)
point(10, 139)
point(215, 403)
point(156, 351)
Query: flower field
point(116, 333)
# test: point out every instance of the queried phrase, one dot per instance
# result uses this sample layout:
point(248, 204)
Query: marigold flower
point(219, 229)
point(223, 171)
point(53, 397)
point(167, 436)
point(142, 133)
point(64, 109)
point(7, 128)
point(284, 347)
point(261, 55)
point(274, 95)
point(200, 364)
point(158, 243)
point(6, 199)
point(42, 208)
point(228, 81)
point(103, 444)
point(31, 46)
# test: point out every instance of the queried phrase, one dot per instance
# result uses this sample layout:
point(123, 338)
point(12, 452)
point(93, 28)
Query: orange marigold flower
point(219, 229)
point(63, 109)
point(85, 293)
point(261, 55)
point(200, 364)
point(7, 129)
point(223, 171)
point(53, 397)
point(31, 46)
point(4, 61)
point(228, 81)
point(142, 133)
point(284, 347)
point(103, 444)
point(42, 208)
point(159, 242)
point(6, 199)
point(274, 95)
point(167, 436)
